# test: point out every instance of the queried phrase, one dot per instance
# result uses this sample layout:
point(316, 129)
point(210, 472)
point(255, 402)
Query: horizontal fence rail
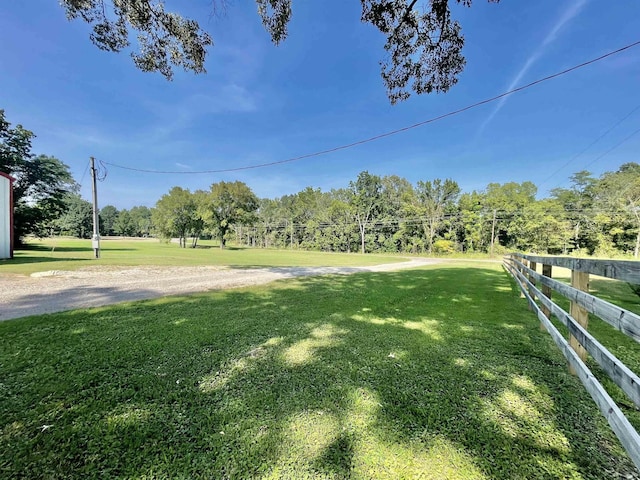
point(624, 270)
point(581, 341)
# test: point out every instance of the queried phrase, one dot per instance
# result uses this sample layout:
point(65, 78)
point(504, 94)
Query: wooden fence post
point(546, 291)
point(579, 280)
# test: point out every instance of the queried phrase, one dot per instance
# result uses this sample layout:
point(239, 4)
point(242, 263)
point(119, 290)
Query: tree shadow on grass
point(24, 260)
point(439, 373)
point(31, 247)
point(53, 248)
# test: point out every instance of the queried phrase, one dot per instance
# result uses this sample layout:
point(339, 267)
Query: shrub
point(444, 246)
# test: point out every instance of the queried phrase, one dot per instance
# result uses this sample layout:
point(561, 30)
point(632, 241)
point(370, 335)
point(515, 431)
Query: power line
point(624, 140)
point(86, 167)
point(590, 145)
point(392, 132)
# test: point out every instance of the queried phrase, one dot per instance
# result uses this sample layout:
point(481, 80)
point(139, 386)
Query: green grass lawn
point(69, 254)
point(433, 373)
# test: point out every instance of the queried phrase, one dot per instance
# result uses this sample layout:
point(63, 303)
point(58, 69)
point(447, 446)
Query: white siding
point(5, 226)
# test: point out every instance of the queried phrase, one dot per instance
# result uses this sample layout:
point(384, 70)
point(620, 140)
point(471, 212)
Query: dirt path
point(57, 291)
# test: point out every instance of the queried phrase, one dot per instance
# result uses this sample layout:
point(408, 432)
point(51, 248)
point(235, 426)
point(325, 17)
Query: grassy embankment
point(436, 373)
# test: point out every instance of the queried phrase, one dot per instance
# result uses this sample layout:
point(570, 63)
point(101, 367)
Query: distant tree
point(309, 207)
point(423, 42)
point(366, 202)
point(619, 193)
point(77, 219)
point(108, 217)
point(396, 193)
point(343, 236)
point(124, 224)
point(502, 202)
point(141, 217)
point(471, 207)
point(230, 203)
point(541, 227)
point(268, 219)
point(175, 215)
point(289, 211)
point(41, 185)
point(433, 199)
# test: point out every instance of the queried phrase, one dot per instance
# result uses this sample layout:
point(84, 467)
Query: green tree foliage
point(41, 182)
point(141, 218)
point(472, 214)
point(503, 202)
point(541, 227)
point(166, 39)
point(366, 202)
point(124, 224)
point(176, 215)
point(578, 202)
point(619, 192)
point(341, 234)
point(433, 199)
point(396, 192)
point(423, 48)
point(108, 217)
point(390, 214)
point(77, 219)
point(229, 203)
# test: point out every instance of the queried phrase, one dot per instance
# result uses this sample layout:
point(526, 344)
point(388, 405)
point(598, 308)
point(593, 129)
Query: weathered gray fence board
point(625, 270)
point(619, 318)
point(625, 432)
point(617, 371)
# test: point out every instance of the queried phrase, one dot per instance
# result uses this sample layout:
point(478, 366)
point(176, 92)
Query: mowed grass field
point(71, 254)
point(433, 373)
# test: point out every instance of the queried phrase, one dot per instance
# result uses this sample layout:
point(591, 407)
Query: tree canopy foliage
point(176, 215)
point(423, 48)
point(77, 219)
point(227, 204)
point(41, 182)
point(183, 214)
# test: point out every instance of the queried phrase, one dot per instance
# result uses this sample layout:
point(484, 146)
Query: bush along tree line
point(593, 216)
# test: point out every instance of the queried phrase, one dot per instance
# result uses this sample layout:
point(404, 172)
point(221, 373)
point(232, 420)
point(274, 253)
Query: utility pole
point(95, 240)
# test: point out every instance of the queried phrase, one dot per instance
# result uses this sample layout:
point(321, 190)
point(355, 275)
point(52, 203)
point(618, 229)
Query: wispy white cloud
point(77, 135)
point(173, 117)
point(569, 14)
point(182, 165)
point(163, 133)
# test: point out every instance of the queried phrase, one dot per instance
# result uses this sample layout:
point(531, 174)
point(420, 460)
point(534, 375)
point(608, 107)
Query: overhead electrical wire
point(389, 133)
point(86, 167)
point(609, 130)
point(624, 140)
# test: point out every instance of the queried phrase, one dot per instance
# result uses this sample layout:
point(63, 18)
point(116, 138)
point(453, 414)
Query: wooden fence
point(524, 270)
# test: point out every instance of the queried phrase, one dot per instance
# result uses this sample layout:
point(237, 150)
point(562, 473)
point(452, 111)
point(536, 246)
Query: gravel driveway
point(56, 291)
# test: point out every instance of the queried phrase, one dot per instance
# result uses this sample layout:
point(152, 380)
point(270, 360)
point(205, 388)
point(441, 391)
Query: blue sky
point(321, 88)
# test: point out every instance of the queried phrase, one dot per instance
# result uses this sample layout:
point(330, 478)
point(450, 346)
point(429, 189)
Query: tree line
point(593, 216)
